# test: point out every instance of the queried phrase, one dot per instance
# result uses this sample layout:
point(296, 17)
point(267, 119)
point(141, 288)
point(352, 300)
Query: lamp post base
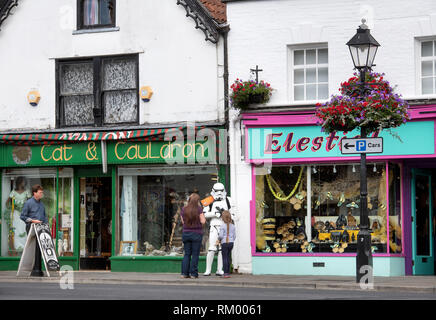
point(364, 256)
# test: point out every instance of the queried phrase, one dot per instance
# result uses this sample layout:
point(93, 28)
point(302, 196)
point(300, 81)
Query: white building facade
point(90, 88)
point(301, 48)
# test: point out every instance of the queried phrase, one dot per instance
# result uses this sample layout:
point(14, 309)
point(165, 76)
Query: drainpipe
point(231, 129)
point(225, 30)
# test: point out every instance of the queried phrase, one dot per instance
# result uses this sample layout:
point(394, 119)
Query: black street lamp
point(363, 48)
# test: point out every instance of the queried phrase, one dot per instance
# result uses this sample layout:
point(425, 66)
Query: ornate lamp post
point(363, 48)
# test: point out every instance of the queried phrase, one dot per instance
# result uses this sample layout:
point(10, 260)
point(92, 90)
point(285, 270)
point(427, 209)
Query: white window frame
point(292, 67)
point(418, 66)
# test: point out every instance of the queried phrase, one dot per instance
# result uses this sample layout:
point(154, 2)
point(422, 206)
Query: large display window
point(16, 190)
point(150, 200)
point(316, 208)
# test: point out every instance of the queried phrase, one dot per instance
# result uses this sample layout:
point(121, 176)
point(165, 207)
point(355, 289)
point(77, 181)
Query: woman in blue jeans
point(193, 220)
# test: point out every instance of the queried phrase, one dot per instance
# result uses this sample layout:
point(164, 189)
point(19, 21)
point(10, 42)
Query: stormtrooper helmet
point(218, 191)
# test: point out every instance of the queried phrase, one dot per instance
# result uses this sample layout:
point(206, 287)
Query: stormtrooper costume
point(213, 212)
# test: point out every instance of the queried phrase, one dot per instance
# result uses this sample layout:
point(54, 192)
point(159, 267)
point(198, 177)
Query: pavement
point(418, 284)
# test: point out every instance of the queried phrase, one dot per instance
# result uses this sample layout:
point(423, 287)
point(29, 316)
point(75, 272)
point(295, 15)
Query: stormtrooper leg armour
point(209, 261)
point(213, 237)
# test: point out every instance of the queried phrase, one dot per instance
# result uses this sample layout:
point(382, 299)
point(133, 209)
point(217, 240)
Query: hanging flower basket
point(245, 93)
point(380, 107)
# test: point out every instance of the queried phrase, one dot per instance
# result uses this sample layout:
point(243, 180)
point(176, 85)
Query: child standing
point(226, 237)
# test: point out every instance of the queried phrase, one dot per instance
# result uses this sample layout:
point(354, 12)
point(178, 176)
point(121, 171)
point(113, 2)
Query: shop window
point(98, 91)
point(315, 209)
point(309, 73)
point(16, 189)
point(65, 219)
point(95, 14)
point(395, 216)
point(149, 207)
point(427, 67)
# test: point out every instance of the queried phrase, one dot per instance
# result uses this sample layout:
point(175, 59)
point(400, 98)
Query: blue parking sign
point(361, 145)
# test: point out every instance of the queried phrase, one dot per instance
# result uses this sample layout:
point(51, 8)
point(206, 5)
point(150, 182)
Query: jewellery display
point(315, 218)
point(278, 194)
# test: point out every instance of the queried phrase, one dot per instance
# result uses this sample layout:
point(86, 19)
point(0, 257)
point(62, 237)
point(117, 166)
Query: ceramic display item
point(341, 221)
point(317, 203)
point(369, 205)
point(341, 200)
point(375, 225)
point(351, 220)
point(336, 236)
point(345, 236)
point(353, 205)
point(319, 225)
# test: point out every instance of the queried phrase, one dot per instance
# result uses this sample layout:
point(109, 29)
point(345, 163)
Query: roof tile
point(217, 9)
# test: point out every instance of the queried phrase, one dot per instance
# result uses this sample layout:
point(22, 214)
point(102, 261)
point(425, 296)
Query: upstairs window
point(309, 73)
point(98, 91)
point(428, 67)
point(95, 14)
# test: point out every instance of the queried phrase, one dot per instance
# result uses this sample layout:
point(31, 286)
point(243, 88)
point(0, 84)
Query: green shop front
point(112, 199)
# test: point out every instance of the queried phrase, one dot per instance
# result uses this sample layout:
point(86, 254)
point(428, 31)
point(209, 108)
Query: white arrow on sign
point(362, 145)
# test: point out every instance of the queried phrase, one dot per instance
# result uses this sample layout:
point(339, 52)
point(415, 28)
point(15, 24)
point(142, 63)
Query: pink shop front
point(304, 212)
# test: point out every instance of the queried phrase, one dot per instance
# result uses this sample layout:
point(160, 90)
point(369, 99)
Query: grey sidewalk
point(421, 284)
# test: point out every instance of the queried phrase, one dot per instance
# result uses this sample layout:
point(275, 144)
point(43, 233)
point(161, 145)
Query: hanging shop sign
point(118, 152)
point(302, 142)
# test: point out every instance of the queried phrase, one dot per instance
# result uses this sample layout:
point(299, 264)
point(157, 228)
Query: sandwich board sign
point(39, 232)
point(362, 145)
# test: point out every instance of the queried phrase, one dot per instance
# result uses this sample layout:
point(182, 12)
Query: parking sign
point(362, 145)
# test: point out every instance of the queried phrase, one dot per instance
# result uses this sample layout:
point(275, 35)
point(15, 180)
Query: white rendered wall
point(262, 30)
point(184, 71)
point(241, 182)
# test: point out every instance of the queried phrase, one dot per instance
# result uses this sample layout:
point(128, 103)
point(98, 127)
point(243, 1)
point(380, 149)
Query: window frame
point(98, 91)
point(317, 66)
point(418, 65)
point(80, 16)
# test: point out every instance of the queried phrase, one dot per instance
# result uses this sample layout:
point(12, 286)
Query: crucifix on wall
point(256, 71)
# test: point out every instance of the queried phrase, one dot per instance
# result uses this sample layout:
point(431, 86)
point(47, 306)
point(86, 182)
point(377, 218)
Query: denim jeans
point(192, 245)
point(227, 254)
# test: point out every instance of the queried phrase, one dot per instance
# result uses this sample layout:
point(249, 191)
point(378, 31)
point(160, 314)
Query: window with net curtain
point(116, 91)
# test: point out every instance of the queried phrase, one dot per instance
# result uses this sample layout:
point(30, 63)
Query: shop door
point(422, 217)
point(95, 222)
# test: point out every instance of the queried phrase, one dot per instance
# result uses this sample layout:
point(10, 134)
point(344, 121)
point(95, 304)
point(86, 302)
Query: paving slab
point(419, 284)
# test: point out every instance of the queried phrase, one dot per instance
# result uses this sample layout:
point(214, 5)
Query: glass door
point(422, 217)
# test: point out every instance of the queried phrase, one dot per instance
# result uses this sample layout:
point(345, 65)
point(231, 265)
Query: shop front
point(112, 199)
point(306, 197)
